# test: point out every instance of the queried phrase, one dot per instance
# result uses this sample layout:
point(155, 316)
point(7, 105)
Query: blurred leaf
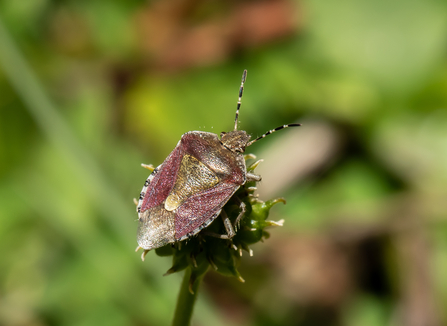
point(346, 194)
point(366, 311)
point(394, 44)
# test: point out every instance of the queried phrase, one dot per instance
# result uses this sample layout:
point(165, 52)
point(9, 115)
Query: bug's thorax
point(235, 141)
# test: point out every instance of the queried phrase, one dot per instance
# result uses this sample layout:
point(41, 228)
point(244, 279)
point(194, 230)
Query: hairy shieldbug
point(184, 194)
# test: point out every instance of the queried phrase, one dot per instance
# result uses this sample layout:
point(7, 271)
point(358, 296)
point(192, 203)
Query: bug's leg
point(228, 227)
point(135, 202)
point(150, 167)
point(252, 177)
point(241, 214)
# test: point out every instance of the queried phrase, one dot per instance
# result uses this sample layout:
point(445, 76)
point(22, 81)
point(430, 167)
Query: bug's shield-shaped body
point(188, 190)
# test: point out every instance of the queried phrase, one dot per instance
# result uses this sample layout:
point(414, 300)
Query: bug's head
point(235, 141)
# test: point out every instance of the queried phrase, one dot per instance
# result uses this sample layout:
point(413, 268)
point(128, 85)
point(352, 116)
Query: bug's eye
point(222, 134)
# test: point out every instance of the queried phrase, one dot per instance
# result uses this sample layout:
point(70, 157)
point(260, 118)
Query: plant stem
point(186, 300)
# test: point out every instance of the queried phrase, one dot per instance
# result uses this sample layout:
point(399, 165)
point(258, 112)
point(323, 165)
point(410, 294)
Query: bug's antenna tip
point(241, 90)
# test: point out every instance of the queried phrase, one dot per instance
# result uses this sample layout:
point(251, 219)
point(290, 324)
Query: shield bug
point(187, 191)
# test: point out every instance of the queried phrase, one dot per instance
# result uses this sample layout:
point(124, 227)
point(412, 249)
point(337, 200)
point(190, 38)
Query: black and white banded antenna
point(273, 130)
point(241, 90)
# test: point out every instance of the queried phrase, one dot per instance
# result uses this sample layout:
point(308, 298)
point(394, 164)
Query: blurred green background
point(91, 89)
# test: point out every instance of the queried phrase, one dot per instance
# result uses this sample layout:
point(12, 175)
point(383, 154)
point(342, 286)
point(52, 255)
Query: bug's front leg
point(252, 177)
